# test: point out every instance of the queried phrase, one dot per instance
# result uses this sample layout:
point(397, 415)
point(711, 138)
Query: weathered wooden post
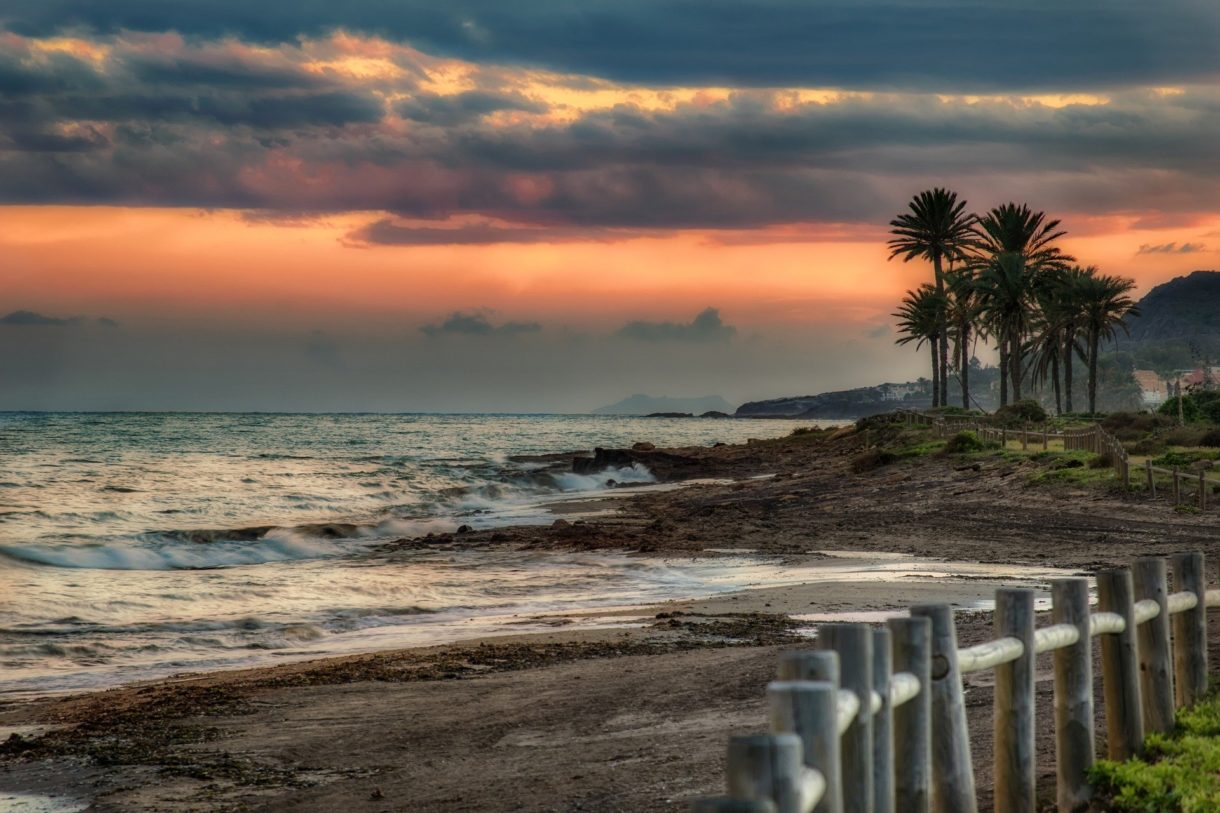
point(883, 725)
point(1073, 697)
point(810, 665)
point(1177, 487)
point(725, 804)
point(1190, 631)
point(1046, 439)
point(854, 643)
point(810, 709)
point(767, 766)
point(1120, 667)
point(1202, 491)
point(1003, 437)
point(952, 770)
point(1156, 665)
point(1024, 441)
point(1151, 478)
point(912, 650)
point(1014, 704)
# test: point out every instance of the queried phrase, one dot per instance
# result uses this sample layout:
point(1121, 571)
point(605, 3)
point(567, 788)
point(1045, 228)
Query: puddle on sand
point(38, 803)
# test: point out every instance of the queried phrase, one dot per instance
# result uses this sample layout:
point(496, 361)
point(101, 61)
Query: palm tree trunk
point(1094, 341)
point(1068, 344)
point(935, 375)
point(1004, 371)
point(1014, 358)
point(1055, 379)
point(965, 364)
point(943, 396)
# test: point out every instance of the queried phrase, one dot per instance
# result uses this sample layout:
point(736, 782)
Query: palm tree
point(919, 320)
point(1005, 290)
point(965, 310)
point(937, 228)
point(1026, 241)
point(1104, 303)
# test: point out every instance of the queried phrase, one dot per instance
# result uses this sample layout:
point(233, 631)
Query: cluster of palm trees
point(1002, 277)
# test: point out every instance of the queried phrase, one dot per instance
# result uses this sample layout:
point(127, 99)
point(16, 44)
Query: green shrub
point(1179, 772)
point(1211, 438)
point(1022, 412)
point(1128, 426)
point(1148, 446)
point(1190, 410)
point(963, 442)
point(1184, 436)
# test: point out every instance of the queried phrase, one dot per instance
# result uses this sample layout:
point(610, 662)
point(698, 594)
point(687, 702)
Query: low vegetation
point(1179, 773)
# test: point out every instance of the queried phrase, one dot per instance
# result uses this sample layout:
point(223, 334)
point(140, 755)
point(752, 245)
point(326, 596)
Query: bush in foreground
point(1179, 773)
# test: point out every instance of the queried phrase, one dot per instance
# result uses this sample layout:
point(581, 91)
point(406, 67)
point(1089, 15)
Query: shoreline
point(547, 717)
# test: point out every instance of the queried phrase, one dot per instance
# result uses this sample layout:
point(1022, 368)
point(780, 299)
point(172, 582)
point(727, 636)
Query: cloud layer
point(887, 44)
point(469, 141)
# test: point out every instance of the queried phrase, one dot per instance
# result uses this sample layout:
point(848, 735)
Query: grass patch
point(1179, 773)
point(1185, 457)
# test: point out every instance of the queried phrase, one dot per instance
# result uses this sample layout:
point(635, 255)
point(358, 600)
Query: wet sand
point(606, 719)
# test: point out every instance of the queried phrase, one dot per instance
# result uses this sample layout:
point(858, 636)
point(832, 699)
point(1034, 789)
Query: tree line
point(1001, 277)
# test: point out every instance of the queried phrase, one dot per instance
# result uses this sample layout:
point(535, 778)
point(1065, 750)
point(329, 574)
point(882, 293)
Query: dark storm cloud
point(706, 327)
point(476, 324)
point(463, 107)
point(944, 44)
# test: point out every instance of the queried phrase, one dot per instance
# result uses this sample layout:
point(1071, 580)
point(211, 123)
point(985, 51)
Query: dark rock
point(643, 446)
point(464, 529)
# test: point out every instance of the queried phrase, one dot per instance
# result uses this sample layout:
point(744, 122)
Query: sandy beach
point(611, 718)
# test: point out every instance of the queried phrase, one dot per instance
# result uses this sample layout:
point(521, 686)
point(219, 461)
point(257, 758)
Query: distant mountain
point(648, 404)
point(1183, 309)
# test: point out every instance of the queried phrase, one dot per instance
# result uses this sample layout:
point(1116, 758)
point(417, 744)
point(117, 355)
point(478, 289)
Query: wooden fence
point(1090, 439)
point(873, 720)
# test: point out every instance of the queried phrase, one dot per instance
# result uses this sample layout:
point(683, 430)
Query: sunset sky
point(546, 205)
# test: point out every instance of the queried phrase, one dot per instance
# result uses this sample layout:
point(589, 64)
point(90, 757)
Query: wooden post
point(1004, 437)
point(854, 643)
point(1190, 631)
point(1014, 704)
point(1120, 667)
point(912, 651)
point(1046, 440)
point(1024, 441)
point(952, 770)
point(766, 766)
point(1151, 479)
point(1156, 665)
point(1177, 487)
point(810, 709)
point(1073, 697)
point(807, 665)
point(883, 725)
point(725, 804)
point(1202, 491)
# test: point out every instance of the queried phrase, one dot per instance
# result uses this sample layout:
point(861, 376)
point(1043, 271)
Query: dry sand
point(598, 720)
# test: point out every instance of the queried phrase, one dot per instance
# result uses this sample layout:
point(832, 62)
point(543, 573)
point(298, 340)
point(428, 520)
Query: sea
point(141, 545)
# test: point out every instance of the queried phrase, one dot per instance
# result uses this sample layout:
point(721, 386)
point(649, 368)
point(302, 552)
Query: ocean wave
point(637, 474)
